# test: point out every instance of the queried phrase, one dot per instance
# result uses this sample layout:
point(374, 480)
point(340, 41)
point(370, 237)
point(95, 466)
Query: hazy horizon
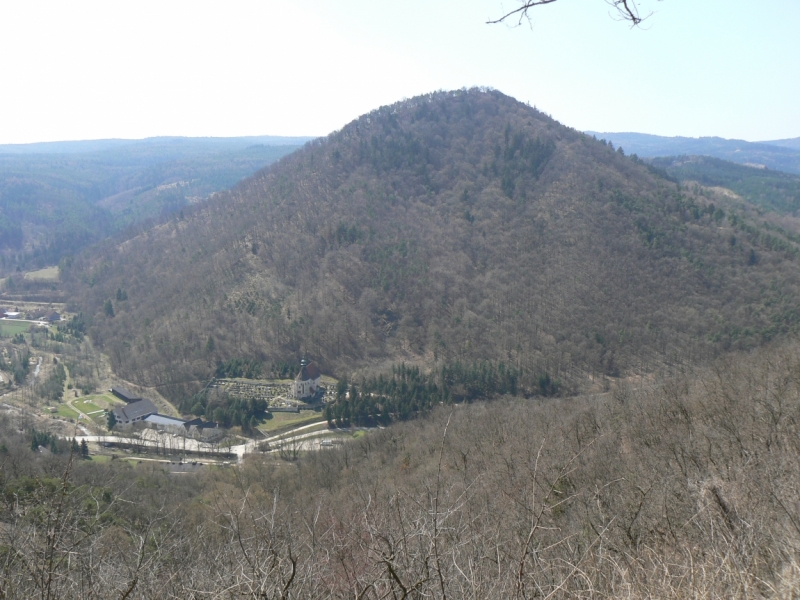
point(92, 70)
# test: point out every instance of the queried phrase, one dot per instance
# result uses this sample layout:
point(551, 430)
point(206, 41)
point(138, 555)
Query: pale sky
point(77, 69)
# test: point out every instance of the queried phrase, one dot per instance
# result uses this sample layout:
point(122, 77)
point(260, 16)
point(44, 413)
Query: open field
point(97, 415)
point(97, 402)
point(10, 328)
point(287, 420)
point(94, 406)
point(46, 274)
point(86, 406)
point(100, 458)
point(66, 412)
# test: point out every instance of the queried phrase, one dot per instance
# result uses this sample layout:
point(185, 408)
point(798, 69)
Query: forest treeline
point(406, 393)
point(409, 393)
point(227, 411)
point(453, 227)
point(675, 487)
point(251, 368)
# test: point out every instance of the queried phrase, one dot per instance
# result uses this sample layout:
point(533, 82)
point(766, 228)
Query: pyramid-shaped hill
point(457, 226)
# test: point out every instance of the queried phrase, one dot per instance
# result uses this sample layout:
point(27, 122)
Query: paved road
point(151, 438)
point(165, 441)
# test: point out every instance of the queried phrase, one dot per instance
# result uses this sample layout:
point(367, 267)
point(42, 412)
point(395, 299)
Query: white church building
point(307, 382)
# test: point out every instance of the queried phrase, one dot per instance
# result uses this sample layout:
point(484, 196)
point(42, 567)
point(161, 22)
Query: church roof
point(309, 371)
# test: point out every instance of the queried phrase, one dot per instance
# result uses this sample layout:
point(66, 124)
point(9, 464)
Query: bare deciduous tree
point(626, 10)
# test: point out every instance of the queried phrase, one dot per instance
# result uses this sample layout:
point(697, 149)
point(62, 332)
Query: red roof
point(309, 371)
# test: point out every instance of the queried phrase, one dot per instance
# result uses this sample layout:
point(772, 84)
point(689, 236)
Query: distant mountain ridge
point(455, 227)
point(793, 143)
point(58, 197)
point(780, 155)
point(178, 145)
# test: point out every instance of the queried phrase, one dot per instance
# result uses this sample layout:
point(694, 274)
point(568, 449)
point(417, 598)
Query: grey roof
point(200, 424)
point(121, 392)
point(136, 410)
point(164, 420)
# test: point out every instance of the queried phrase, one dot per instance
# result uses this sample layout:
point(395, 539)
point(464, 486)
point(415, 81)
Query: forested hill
point(450, 228)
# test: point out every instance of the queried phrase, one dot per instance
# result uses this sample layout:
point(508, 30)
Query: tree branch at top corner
point(627, 10)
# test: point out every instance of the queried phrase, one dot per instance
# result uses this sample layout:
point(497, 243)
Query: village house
point(196, 428)
point(307, 383)
point(142, 411)
point(134, 412)
point(203, 430)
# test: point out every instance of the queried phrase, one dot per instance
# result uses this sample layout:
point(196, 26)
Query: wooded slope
point(456, 226)
point(684, 488)
point(57, 198)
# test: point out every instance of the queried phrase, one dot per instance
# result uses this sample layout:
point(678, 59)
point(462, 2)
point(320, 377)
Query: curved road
point(150, 438)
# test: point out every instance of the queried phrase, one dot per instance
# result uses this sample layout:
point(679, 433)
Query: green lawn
point(10, 328)
point(101, 458)
point(94, 407)
point(287, 420)
point(66, 412)
point(86, 406)
point(46, 274)
point(98, 401)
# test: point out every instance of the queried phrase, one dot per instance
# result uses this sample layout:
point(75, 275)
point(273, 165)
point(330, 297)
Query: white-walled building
point(307, 382)
point(134, 412)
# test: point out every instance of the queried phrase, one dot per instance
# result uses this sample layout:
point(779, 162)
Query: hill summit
point(453, 227)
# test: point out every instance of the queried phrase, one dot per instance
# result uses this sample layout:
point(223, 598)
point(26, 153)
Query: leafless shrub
point(686, 487)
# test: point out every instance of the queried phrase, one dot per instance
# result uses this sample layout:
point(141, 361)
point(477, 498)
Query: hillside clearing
point(10, 328)
point(46, 274)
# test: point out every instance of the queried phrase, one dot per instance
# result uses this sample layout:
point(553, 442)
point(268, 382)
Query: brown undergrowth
point(684, 488)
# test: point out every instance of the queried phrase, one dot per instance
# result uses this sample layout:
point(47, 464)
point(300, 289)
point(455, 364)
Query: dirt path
point(82, 416)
